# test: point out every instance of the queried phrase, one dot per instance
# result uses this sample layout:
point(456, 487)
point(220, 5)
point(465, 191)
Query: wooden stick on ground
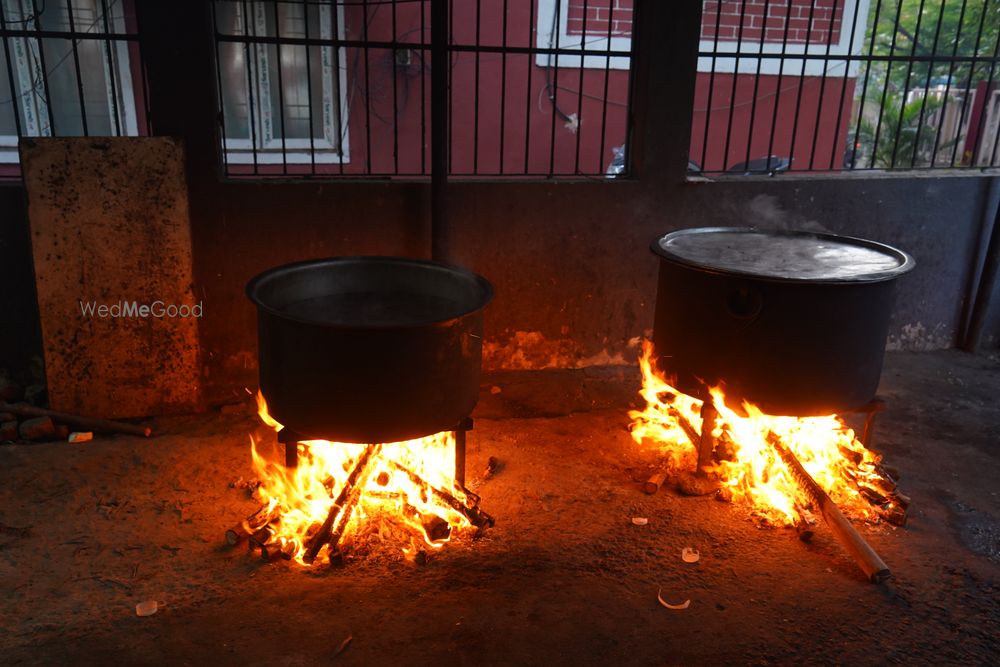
point(323, 535)
point(874, 568)
point(88, 423)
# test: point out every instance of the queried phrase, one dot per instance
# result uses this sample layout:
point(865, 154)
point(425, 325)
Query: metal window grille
point(69, 68)
point(835, 85)
point(538, 88)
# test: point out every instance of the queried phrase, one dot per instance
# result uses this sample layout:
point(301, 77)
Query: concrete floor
point(563, 578)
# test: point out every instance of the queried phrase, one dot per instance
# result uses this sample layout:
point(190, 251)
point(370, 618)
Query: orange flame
point(755, 473)
point(301, 497)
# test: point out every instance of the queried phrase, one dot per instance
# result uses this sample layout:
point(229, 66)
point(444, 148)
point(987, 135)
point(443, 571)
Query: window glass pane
point(233, 72)
point(7, 125)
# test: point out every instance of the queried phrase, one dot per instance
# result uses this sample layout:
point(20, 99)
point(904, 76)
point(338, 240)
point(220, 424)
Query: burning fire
point(748, 464)
point(410, 485)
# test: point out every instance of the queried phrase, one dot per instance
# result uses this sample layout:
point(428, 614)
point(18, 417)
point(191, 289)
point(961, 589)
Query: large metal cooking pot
point(794, 322)
point(369, 349)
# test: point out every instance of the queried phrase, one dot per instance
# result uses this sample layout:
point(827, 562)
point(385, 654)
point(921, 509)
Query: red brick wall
point(827, 18)
point(598, 13)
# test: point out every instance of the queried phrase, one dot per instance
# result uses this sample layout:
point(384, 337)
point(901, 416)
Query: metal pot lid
point(784, 255)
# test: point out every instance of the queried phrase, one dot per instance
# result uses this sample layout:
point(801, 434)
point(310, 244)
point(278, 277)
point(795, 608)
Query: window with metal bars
point(538, 88)
point(835, 85)
point(68, 68)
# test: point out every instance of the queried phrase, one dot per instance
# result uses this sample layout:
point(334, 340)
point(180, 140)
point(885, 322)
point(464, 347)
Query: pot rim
point(907, 263)
point(255, 284)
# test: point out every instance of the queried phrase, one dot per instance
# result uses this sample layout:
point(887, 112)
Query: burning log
point(874, 568)
point(351, 503)
point(804, 523)
point(323, 535)
point(260, 538)
point(655, 481)
point(277, 549)
point(251, 524)
point(86, 423)
point(476, 516)
point(706, 443)
point(689, 430)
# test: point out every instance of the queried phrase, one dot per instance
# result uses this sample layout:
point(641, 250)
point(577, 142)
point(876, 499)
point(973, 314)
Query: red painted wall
point(393, 134)
point(809, 95)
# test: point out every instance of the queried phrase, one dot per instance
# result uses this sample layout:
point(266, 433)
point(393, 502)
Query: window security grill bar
point(68, 68)
point(539, 88)
point(847, 85)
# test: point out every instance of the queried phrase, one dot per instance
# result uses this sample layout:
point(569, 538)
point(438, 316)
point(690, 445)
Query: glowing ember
point(410, 485)
point(751, 468)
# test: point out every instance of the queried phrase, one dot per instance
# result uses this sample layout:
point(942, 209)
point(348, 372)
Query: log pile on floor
point(363, 505)
point(24, 419)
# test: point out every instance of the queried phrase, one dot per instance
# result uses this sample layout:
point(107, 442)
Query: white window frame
point(749, 51)
point(270, 149)
point(784, 61)
point(546, 38)
point(26, 64)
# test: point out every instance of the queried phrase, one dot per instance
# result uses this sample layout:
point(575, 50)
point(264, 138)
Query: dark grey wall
point(575, 279)
point(20, 336)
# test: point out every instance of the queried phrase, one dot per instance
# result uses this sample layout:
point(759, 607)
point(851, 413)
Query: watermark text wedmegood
point(123, 309)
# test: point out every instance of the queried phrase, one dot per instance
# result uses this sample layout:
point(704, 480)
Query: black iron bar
point(579, 98)
point(379, 44)
point(70, 34)
point(111, 70)
point(309, 93)
point(76, 67)
point(802, 83)
point(251, 120)
point(45, 77)
point(906, 90)
point(877, 58)
point(342, 108)
point(843, 87)
point(15, 95)
point(281, 89)
point(736, 76)
point(451, 101)
point(475, 94)
point(864, 87)
point(532, 41)
point(711, 87)
point(972, 71)
point(368, 98)
point(395, 93)
point(604, 100)
point(440, 69)
point(423, 92)
point(947, 87)
point(927, 85)
point(822, 83)
point(503, 86)
point(885, 87)
point(756, 85)
point(222, 97)
point(552, 84)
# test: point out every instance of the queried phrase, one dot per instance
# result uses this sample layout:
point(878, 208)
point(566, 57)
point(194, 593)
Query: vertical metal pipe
point(439, 129)
point(987, 285)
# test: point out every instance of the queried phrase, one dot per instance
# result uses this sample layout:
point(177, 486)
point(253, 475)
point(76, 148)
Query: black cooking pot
point(794, 322)
point(369, 349)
